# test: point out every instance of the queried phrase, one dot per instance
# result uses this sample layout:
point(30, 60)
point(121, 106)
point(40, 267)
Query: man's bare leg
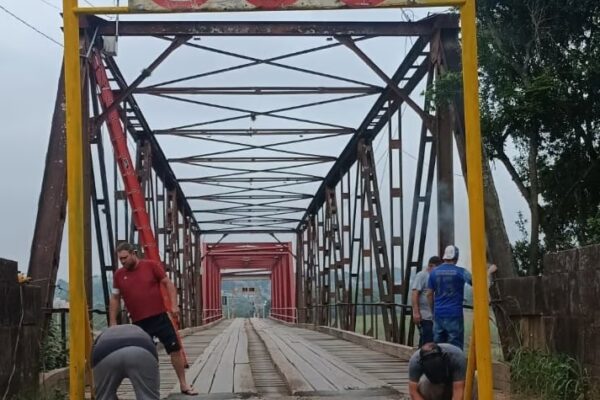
point(179, 366)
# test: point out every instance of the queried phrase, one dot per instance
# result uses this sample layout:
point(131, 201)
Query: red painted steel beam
point(274, 257)
point(118, 138)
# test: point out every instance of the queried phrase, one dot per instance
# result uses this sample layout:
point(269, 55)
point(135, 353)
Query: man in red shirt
point(139, 284)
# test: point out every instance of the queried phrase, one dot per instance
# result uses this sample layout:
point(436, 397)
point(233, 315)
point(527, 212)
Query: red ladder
point(133, 188)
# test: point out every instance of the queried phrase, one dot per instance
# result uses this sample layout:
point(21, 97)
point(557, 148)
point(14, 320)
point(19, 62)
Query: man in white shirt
point(422, 314)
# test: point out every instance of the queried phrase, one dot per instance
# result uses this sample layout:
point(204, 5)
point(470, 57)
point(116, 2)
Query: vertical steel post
point(75, 206)
point(299, 278)
point(377, 235)
point(204, 278)
point(197, 283)
point(445, 151)
point(346, 208)
point(475, 192)
point(47, 237)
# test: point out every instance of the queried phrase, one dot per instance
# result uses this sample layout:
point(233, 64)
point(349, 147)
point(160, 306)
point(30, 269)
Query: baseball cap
point(451, 253)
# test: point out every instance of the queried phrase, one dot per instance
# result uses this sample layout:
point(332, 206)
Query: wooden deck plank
point(194, 345)
point(223, 378)
point(386, 368)
point(341, 374)
point(243, 381)
point(296, 382)
point(348, 372)
point(241, 353)
point(204, 380)
point(335, 361)
point(314, 377)
point(194, 371)
point(320, 369)
point(215, 371)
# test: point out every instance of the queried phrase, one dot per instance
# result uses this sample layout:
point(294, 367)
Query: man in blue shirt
point(447, 288)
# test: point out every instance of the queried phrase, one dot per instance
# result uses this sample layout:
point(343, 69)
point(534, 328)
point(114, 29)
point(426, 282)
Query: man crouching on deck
point(437, 372)
point(139, 283)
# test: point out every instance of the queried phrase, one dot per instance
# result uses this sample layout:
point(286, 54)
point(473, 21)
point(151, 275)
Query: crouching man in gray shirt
point(437, 372)
point(125, 351)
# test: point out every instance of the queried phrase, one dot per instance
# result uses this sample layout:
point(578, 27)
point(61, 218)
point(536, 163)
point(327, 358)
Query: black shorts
point(160, 326)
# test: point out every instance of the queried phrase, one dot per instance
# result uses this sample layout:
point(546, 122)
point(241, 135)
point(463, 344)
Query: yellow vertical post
point(471, 367)
point(75, 209)
point(475, 191)
point(88, 352)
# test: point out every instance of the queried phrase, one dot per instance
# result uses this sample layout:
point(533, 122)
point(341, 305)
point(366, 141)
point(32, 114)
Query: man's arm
point(172, 295)
point(468, 277)
point(413, 391)
point(458, 390)
point(415, 307)
point(430, 298)
point(113, 308)
point(431, 291)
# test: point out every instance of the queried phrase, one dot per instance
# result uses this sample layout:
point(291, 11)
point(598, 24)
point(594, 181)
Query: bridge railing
point(289, 314)
point(363, 318)
point(211, 314)
point(61, 315)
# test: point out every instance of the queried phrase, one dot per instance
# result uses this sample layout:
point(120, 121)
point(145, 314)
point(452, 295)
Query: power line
point(29, 25)
point(50, 4)
point(85, 1)
point(89, 3)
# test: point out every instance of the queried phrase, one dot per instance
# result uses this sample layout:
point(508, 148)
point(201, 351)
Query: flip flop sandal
point(189, 392)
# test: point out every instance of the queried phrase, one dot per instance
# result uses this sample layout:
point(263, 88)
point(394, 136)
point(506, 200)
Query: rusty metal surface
point(146, 72)
point(136, 118)
point(47, 237)
point(375, 120)
point(379, 244)
point(275, 28)
point(247, 5)
point(238, 181)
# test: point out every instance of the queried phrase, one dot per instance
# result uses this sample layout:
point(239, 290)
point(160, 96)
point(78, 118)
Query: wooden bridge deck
point(259, 358)
point(195, 345)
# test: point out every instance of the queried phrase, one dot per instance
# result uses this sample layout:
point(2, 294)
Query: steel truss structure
point(351, 243)
point(288, 176)
point(352, 254)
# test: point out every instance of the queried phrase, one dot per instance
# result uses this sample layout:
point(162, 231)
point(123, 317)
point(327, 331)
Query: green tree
point(54, 353)
point(540, 84)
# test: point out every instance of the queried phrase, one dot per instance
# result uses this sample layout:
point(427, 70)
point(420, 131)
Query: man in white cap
point(447, 288)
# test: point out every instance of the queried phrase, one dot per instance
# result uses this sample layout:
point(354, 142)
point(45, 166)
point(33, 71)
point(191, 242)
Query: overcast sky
point(29, 68)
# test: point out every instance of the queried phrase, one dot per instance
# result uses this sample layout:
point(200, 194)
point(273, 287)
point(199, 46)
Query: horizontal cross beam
point(250, 159)
point(262, 179)
point(423, 27)
point(298, 196)
point(254, 132)
point(258, 90)
point(246, 231)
